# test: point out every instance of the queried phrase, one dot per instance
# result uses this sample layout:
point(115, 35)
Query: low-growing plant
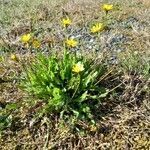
point(67, 85)
point(6, 116)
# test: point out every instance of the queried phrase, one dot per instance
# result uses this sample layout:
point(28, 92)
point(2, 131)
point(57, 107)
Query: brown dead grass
point(123, 119)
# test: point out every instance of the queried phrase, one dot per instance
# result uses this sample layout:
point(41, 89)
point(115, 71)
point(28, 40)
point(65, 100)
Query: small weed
point(66, 85)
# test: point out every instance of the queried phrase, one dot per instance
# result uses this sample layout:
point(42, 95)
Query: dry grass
point(123, 119)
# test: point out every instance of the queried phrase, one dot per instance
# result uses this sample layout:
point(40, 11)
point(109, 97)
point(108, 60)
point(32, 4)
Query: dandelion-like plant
point(107, 7)
point(71, 43)
point(97, 28)
point(66, 22)
point(65, 85)
point(78, 67)
point(25, 38)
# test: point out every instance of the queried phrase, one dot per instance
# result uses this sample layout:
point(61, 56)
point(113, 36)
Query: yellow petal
point(14, 57)
point(25, 38)
point(36, 43)
point(71, 43)
point(66, 22)
point(78, 67)
point(107, 7)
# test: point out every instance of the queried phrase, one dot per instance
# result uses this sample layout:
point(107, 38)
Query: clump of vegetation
point(74, 84)
point(67, 85)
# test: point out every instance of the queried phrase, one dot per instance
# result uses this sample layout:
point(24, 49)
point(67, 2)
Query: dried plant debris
point(113, 37)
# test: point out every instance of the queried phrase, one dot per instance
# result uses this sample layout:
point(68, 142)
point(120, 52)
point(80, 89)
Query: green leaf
point(12, 106)
point(83, 97)
point(103, 95)
point(90, 78)
point(76, 113)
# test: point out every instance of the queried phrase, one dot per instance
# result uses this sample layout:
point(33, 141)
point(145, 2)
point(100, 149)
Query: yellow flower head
point(71, 43)
point(66, 22)
point(93, 128)
point(14, 57)
point(107, 7)
point(78, 67)
point(26, 38)
point(97, 28)
point(36, 43)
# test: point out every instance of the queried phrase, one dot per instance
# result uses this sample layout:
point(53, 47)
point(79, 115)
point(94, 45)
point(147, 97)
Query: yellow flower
point(71, 43)
point(14, 57)
point(66, 22)
point(107, 7)
point(78, 67)
point(97, 28)
point(36, 43)
point(26, 38)
point(93, 128)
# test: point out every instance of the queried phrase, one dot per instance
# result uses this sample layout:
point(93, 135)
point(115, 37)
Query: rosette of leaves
point(50, 79)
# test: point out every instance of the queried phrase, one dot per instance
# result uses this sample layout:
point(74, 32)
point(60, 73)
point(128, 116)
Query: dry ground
point(123, 119)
